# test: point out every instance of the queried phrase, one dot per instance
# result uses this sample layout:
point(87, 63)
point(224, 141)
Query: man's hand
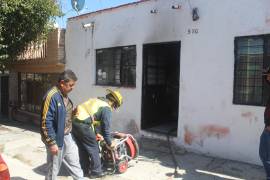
point(54, 149)
point(74, 111)
point(99, 137)
point(113, 144)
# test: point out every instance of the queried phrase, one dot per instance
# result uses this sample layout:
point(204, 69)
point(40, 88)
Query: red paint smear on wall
point(267, 21)
point(204, 132)
point(214, 130)
point(247, 115)
point(188, 137)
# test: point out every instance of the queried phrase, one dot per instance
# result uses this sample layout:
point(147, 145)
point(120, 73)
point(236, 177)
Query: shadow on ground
point(42, 170)
point(195, 166)
point(17, 178)
point(28, 126)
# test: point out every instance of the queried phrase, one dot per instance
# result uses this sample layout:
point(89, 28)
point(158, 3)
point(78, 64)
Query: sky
point(89, 6)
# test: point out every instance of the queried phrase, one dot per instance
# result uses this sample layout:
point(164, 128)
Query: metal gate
point(4, 95)
point(160, 91)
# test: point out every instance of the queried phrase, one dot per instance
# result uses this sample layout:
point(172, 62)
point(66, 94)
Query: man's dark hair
point(67, 75)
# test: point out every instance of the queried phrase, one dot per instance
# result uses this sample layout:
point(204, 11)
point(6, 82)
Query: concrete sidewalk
point(25, 155)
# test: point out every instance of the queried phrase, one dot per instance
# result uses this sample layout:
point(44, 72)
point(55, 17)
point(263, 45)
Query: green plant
point(23, 22)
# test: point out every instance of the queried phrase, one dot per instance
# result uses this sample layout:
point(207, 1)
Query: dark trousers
point(264, 151)
point(88, 147)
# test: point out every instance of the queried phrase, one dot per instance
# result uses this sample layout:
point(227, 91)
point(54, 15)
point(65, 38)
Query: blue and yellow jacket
point(53, 115)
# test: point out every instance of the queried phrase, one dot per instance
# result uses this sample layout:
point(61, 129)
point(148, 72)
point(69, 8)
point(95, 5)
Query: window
point(32, 88)
point(116, 66)
point(252, 55)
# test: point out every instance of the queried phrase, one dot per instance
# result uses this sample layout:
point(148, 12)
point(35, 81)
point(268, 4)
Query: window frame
point(128, 84)
point(265, 85)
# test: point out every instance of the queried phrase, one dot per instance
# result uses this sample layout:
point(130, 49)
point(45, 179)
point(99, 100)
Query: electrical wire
point(61, 8)
point(189, 4)
point(101, 4)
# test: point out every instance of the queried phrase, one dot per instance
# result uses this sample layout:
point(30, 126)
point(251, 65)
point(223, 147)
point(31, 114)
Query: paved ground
point(25, 155)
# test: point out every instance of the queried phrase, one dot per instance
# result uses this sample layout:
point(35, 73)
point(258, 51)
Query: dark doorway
point(160, 90)
point(4, 95)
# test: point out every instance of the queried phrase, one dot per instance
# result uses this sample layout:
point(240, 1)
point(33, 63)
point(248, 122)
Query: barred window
point(32, 88)
point(116, 66)
point(252, 55)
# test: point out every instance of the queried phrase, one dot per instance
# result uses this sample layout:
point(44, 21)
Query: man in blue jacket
point(264, 147)
point(56, 125)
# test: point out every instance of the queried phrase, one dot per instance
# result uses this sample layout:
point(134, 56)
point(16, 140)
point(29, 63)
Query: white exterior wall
point(208, 121)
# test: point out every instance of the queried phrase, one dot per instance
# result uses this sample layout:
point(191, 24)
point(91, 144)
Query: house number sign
point(192, 31)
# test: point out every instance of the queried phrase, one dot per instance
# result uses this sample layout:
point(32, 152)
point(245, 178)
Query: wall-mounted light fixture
point(154, 11)
point(176, 6)
point(195, 14)
point(88, 25)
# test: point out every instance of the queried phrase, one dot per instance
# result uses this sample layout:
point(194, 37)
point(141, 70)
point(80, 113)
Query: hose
point(172, 152)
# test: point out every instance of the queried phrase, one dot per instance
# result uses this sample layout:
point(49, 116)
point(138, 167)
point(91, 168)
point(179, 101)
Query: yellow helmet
point(116, 96)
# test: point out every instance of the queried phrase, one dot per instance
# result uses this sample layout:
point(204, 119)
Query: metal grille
point(116, 66)
point(250, 59)
point(156, 67)
point(37, 50)
point(32, 89)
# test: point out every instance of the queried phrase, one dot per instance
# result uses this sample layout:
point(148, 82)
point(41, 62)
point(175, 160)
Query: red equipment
point(125, 150)
point(4, 172)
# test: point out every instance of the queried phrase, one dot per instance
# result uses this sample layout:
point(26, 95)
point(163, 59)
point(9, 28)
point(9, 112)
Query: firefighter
point(94, 117)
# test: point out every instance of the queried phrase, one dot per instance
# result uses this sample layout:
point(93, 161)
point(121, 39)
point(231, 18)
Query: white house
point(192, 65)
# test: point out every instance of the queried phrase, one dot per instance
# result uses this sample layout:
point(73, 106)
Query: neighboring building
point(4, 93)
point(33, 73)
point(201, 77)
